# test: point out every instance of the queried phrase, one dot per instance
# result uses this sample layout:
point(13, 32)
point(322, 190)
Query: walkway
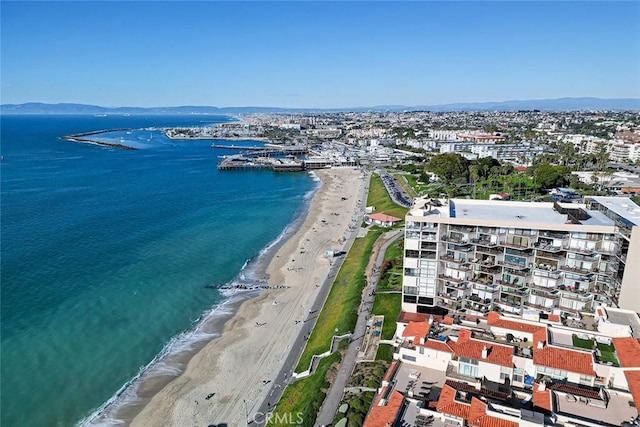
point(336, 391)
point(270, 396)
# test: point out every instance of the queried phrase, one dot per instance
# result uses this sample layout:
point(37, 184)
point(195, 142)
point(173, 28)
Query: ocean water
point(106, 254)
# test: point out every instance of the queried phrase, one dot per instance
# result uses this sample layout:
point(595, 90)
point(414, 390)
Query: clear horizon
point(317, 55)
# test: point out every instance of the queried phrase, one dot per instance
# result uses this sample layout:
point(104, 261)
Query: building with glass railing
point(475, 256)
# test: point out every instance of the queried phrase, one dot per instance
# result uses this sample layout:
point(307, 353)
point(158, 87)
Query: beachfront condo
point(476, 256)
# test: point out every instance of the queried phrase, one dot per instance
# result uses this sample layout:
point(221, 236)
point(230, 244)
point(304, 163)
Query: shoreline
point(231, 369)
point(136, 393)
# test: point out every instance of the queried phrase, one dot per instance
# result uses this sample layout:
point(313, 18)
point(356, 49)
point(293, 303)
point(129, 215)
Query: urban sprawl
point(517, 275)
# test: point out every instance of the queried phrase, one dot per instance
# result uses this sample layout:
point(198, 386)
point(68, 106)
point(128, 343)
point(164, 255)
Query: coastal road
point(256, 411)
point(334, 396)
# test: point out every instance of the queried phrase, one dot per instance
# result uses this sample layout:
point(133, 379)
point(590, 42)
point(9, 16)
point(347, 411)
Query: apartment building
point(475, 256)
point(497, 370)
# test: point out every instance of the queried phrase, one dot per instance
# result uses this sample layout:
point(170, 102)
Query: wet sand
point(257, 338)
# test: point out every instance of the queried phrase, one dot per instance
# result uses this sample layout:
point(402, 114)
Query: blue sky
point(316, 54)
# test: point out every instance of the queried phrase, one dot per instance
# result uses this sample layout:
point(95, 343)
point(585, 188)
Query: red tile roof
point(390, 371)
point(477, 410)
point(541, 399)
point(464, 334)
point(448, 405)
point(416, 329)
point(553, 318)
point(493, 319)
point(406, 317)
point(539, 335)
point(478, 416)
point(384, 217)
point(438, 345)
point(567, 360)
point(633, 380)
point(448, 320)
point(496, 354)
point(381, 416)
point(628, 351)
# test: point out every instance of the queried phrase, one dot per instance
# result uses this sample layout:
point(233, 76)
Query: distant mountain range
point(560, 104)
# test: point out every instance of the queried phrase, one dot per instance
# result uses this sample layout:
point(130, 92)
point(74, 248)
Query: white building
point(479, 255)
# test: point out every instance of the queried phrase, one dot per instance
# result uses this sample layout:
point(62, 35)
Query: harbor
point(279, 159)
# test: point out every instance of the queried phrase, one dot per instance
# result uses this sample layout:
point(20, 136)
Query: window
point(421, 349)
point(586, 380)
point(505, 373)
point(409, 358)
point(469, 368)
point(411, 299)
point(518, 375)
point(411, 290)
point(557, 374)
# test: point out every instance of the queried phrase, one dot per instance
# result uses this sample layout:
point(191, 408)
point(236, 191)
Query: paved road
point(270, 396)
point(395, 190)
point(334, 396)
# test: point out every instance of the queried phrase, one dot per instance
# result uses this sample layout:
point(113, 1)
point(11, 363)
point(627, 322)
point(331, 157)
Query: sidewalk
point(334, 396)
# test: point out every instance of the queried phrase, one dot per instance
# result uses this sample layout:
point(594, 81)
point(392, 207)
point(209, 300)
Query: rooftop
point(384, 415)
point(566, 360)
point(473, 349)
point(621, 206)
point(416, 329)
point(512, 212)
point(633, 379)
point(628, 351)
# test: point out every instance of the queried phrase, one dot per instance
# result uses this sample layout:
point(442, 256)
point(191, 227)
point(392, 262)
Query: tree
point(549, 176)
point(449, 167)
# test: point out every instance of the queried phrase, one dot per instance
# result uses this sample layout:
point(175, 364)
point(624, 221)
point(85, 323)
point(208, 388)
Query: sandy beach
point(257, 338)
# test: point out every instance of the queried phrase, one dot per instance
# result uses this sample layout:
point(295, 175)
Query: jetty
point(85, 137)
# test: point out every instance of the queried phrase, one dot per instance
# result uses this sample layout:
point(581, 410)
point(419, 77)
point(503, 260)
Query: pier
point(267, 149)
point(278, 164)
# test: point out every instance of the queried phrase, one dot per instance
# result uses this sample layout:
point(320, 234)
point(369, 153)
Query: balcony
point(486, 262)
point(430, 237)
point(584, 251)
point(515, 245)
point(513, 266)
point(446, 278)
point(477, 300)
point(487, 230)
point(461, 228)
point(554, 235)
point(512, 285)
point(538, 306)
point(599, 249)
point(459, 267)
point(520, 292)
point(488, 250)
point(578, 270)
point(483, 242)
point(583, 297)
point(509, 303)
point(450, 258)
point(545, 255)
point(548, 294)
point(485, 287)
point(533, 286)
point(546, 270)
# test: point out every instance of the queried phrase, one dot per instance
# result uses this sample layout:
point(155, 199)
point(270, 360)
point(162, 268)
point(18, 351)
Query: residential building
point(498, 370)
point(476, 256)
point(381, 219)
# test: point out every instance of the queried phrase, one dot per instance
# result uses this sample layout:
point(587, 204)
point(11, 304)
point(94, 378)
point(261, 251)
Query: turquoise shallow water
point(106, 253)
